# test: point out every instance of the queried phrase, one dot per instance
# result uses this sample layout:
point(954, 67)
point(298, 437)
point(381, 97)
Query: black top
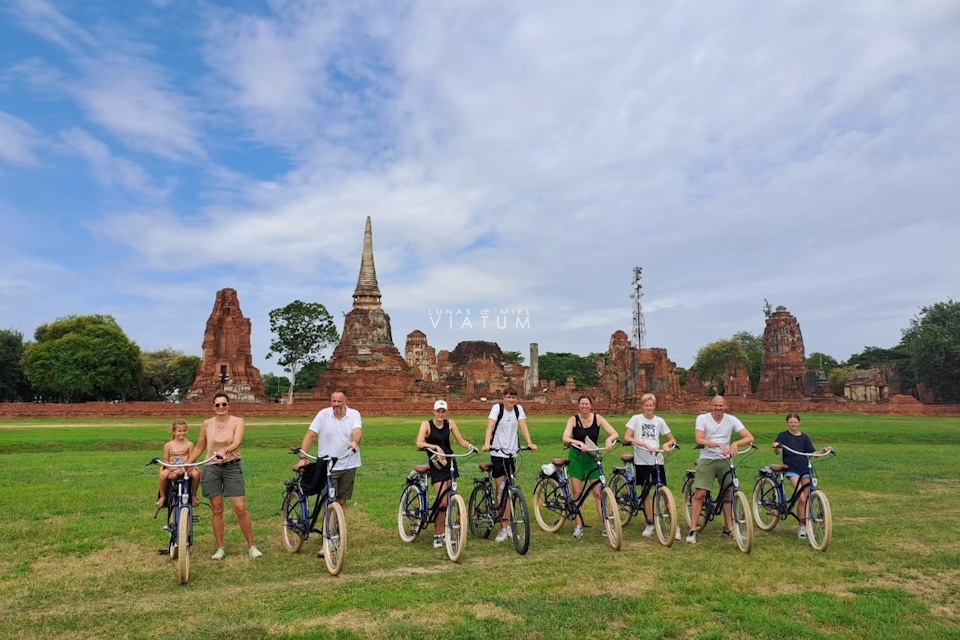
point(440, 437)
point(803, 443)
point(581, 433)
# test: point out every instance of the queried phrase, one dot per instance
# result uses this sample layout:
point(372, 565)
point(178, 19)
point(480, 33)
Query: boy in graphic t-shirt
point(643, 432)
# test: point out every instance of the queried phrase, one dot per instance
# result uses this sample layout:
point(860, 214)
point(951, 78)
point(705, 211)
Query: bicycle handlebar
point(828, 452)
point(160, 462)
point(511, 455)
point(749, 449)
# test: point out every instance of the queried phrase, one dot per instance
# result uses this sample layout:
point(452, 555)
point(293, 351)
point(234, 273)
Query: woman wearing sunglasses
point(222, 434)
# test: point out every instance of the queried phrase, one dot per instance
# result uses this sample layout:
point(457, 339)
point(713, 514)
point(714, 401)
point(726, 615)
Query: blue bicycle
point(180, 518)
point(663, 507)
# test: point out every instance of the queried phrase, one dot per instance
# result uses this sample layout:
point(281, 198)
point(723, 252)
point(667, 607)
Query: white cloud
point(110, 169)
point(43, 19)
point(18, 140)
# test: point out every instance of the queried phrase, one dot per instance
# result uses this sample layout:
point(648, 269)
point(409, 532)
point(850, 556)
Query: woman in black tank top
point(583, 425)
point(434, 435)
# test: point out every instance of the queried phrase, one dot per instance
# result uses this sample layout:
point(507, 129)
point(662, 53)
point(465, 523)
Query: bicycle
point(413, 515)
point(299, 521)
point(180, 518)
point(731, 492)
point(663, 506)
point(484, 512)
point(553, 502)
point(770, 505)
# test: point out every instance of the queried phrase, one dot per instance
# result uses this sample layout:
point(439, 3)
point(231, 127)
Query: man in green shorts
point(713, 432)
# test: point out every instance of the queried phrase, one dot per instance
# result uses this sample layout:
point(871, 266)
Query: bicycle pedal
point(196, 518)
point(166, 528)
point(163, 552)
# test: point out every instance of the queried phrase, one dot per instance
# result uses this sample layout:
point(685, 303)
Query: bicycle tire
point(766, 504)
point(335, 538)
point(621, 489)
point(665, 516)
point(819, 521)
point(687, 493)
point(549, 505)
point(519, 521)
point(611, 518)
point(183, 545)
point(455, 537)
point(742, 521)
point(292, 534)
point(410, 514)
point(172, 529)
point(481, 511)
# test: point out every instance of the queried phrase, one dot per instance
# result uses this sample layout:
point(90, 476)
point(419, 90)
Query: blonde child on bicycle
point(177, 451)
point(643, 432)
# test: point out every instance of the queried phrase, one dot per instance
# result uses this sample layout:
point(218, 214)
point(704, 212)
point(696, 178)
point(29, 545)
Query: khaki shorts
point(343, 482)
point(223, 480)
point(709, 471)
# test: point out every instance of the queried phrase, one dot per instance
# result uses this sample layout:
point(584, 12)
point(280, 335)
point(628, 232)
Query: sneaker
point(603, 532)
point(726, 533)
point(503, 535)
point(438, 542)
point(578, 532)
point(254, 552)
point(648, 531)
point(802, 532)
point(679, 535)
point(219, 554)
point(692, 537)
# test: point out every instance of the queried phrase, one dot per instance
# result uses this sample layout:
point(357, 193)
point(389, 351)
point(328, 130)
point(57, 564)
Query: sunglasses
point(220, 405)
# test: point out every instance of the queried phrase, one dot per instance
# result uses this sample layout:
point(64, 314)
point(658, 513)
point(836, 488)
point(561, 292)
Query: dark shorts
point(223, 480)
point(501, 465)
point(647, 474)
point(343, 482)
point(439, 475)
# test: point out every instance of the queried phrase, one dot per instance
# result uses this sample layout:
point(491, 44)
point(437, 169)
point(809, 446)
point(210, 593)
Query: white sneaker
point(219, 554)
point(438, 541)
point(254, 552)
point(802, 532)
point(679, 535)
point(503, 535)
point(648, 531)
point(578, 532)
point(692, 538)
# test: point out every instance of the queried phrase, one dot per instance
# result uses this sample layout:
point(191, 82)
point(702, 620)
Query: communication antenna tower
point(639, 337)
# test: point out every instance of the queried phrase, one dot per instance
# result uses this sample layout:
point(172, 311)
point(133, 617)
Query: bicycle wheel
point(183, 545)
point(292, 532)
point(482, 511)
point(410, 514)
point(665, 516)
point(454, 528)
point(621, 489)
point(742, 521)
point(819, 521)
point(549, 505)
point(766, 504)
point(335, 538)
point(519, 521)
point(611, 518)
point(687, 493)
point(172, 528)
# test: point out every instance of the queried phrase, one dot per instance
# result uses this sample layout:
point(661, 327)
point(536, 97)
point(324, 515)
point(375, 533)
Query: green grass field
point(78, 547)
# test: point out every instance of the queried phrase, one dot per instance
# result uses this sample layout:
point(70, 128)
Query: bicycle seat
point(422, 468)
point(778, 468)
point(626, 457)
point(561, 462)
point(486, 466)
point(691, 473)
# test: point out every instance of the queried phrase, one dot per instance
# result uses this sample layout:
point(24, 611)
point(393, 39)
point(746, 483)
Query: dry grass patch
point(490, 611)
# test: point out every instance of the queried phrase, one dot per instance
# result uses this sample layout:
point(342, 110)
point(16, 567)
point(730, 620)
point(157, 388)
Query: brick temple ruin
point(784, 361)
point(227, 359)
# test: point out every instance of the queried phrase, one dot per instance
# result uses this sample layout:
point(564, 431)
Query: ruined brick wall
point(478, 369)
point(784, 362)
point(421, 356)
point(226, 349)
point(737, 380)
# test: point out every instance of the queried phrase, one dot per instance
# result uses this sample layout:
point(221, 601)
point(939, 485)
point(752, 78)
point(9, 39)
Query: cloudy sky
point(512, 155)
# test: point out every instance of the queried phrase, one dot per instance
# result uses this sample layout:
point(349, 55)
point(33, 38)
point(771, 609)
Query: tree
point(309, 373)
point(80, 358)
point(558, 366)
point(276, 386)
point(753, 347)
point(166, 371)
point(303, 331)
point(712, 360)
point(682, 375)
point(838, 377)
point(819, 360)
point(513, 356)
point(898, 355)
point(767, 308)
point(13, 382)
point(932, 343)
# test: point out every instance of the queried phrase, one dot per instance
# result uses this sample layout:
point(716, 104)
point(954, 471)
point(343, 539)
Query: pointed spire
point(367, 293)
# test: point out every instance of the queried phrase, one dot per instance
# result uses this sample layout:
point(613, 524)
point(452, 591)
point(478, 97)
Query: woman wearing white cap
point(434, 435)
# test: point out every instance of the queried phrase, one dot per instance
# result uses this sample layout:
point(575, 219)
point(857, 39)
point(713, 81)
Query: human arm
point(526, 434)
point(746, 439)
point(201, 445)
point(456, 434)
point(422, 438)
point(489, 434)
point(567, 438)
point(305, 445)
point(612, 435)
point(670, 443)
point(355, 436)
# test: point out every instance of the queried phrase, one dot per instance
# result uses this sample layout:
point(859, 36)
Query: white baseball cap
point(440, 404)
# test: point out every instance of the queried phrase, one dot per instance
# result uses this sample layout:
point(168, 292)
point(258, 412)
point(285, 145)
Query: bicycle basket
point(314, 478)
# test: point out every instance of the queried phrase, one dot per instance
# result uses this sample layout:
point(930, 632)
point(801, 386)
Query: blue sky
point(511, 155)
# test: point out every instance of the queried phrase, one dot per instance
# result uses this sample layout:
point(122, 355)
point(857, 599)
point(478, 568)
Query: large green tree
point(753, 348)
point(819, 360)
point(303, 330)
point(167, 370)
point(898, 355)
point(557, 366)
point(275, 385)
point(933, 344)
point(13, 382)
point(712, 359)
point(80, 358)
point(307, 378)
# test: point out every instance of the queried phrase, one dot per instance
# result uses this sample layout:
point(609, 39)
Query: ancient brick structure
point(421, 356)
point(737, 380)
point(227, 362)
point(630, 372)
point(866, 385)
point(477, 369)
point(366, 364)
point(531, 379)
point(784, 362)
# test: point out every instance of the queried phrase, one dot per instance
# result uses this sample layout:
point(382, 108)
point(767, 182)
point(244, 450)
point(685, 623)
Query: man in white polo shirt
point(339, 430)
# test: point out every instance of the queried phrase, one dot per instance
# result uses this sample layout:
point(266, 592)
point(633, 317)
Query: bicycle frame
point(574, 506)
point(785, 507)
point(627, 473)
point(430, 515)
point(728, 483)
point(309, 516)
point(510, 481)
